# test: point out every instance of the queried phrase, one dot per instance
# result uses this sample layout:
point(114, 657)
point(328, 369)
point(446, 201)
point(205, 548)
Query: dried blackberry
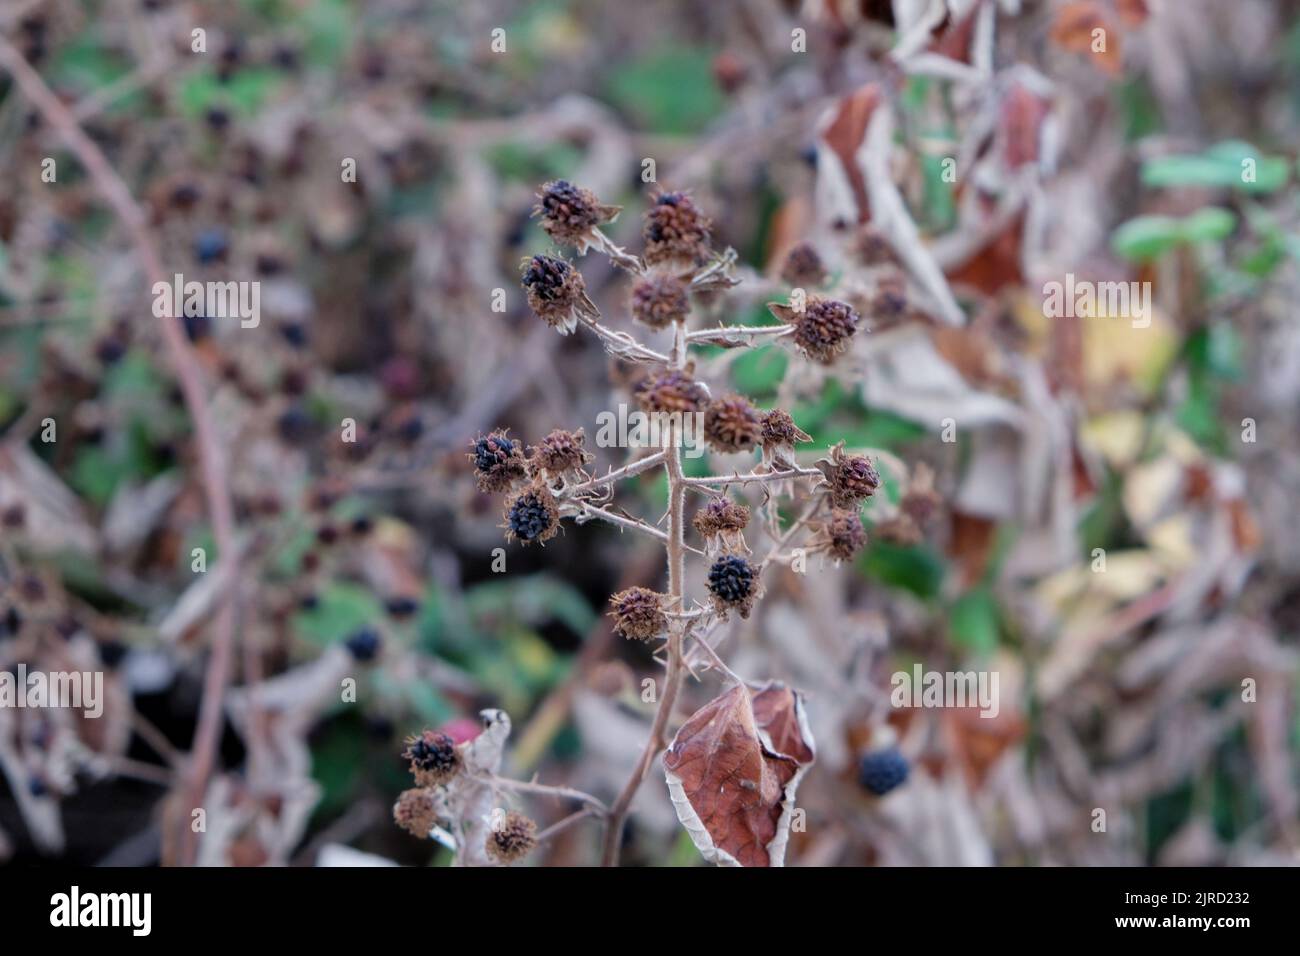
point(434, 758)
point(881, 771)
point(415, 813)
point(532, 516)
point(659, 299)
point(571, 214)
point(733, 582)
point(731, 424)
point(498, 461)
point(512, 838)
point(557, 293)
point(638, 614)
point(676, 231)
point(672, 391)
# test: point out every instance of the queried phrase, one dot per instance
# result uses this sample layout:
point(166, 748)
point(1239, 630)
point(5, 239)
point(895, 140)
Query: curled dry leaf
point(733, 769)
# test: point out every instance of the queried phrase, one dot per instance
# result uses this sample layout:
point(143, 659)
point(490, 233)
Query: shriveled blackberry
point(849, 478)
point(512, 838)
point(557, 293)
point(414, 812)
point(916, 509)
point(777, 435)
point(659, 299)
point(364, 644)
point(638, 614)
point(823, 329)
point(532, 516)
point(433, 757)
point(881, 771)
point(842, 536)
point(14, 516)
point(401, 606)
point(889, 303)
point(733, 582)
point(560, 452)
point(720, 523)
point(803, 266)
point(570, 213)
point(498, 461)
point(920, 500)
point(676, 231)
point(672, 391)
point(721, 514)
point(732, 424)
point(872, 248)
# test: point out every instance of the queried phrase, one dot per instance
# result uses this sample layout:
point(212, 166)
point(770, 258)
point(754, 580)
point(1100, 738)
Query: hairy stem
point(676, 547)
point(618, 474)
point(761, 476)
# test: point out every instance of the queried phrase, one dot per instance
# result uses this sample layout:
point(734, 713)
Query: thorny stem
point(735, 333)
point(676, 546)
point(618, 474)
point(617, 254)
point(623, 345)
point(761, 476)
point(555, 829)
point(546, 790)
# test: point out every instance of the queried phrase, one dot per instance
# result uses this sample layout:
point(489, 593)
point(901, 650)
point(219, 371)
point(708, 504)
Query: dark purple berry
point(731, 578)
point(364, 645)
point(880, 771)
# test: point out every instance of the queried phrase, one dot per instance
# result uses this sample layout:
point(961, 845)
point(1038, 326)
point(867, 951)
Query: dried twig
point(118, 196)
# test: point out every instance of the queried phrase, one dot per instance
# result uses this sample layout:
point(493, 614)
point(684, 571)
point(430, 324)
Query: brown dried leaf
point(1074, 29)
point(842, 136)
point(732, 771)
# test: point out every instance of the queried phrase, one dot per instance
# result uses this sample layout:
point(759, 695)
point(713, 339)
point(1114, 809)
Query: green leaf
point(1232, 164)
point(918, 569)
point(534, 600)
point(1217, 350)
point(670, 90)
point(1211, 224)
point(341, 609)
point(1147, 237)
point(938, 202)
point(973, 621)
point(757, 373)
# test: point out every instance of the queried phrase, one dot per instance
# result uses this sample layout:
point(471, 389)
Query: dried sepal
point(841, 535)
point(557, 293)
